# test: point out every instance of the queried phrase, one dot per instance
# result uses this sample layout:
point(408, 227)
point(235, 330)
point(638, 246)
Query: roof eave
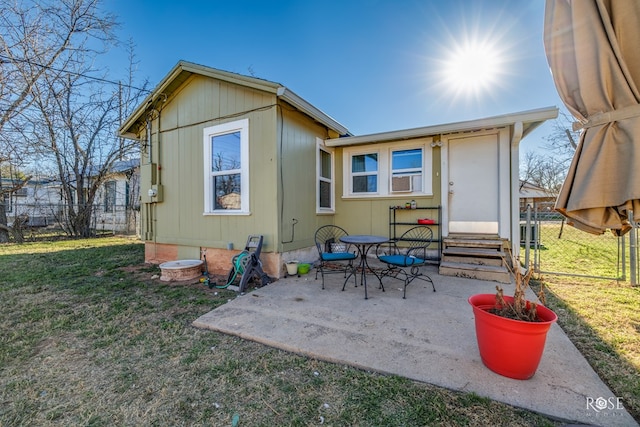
point(125, 129)
point(533, 118)
point(315, 113)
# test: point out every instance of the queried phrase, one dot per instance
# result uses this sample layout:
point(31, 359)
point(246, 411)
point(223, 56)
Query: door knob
point(450, 182)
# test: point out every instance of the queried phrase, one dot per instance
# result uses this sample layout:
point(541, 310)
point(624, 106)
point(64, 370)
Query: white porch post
point(518, 129)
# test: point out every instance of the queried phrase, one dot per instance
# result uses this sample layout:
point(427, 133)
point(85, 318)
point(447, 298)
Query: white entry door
point(473, 184)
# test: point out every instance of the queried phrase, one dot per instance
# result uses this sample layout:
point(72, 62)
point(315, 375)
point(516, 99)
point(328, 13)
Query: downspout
point(159, 172)
point(518, 130)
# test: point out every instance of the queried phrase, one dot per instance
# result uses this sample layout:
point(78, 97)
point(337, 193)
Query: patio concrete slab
point(428, 337)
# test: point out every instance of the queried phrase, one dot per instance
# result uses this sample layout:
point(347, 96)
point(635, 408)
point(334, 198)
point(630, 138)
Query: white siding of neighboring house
point(43, 204)
point(38, 200)
point(115, 214)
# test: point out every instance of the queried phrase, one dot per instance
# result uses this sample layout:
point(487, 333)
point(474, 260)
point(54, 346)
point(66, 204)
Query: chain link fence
point(552, 247)
point(120, 219)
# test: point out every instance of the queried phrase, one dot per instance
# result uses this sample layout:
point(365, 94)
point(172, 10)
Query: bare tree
point(543, 171)
point(562, 141)
point(59, 107)
point(39, 37)
point(76, 119)
point(548, 167)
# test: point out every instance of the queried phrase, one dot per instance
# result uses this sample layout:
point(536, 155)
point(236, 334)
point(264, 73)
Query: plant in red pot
point(512, 331)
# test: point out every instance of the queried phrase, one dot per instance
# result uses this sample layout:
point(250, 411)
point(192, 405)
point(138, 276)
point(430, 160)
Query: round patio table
point(364, 242)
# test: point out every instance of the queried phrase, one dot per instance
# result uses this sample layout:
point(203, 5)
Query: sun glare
point(472, 68)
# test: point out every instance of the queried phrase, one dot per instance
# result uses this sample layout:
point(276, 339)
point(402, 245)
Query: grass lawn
point(567, 249)
point(602, 319)
point(87, 337)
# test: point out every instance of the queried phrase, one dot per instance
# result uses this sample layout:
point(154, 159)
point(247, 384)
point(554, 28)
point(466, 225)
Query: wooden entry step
point(474, 242)
point(491, 273)
point(475, 257)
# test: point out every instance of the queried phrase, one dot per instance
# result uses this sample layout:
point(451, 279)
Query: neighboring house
point(531, 194)
point(117, 201)
point(541, 202)
point(225, 156)
point(33, 201)
point(116, 205)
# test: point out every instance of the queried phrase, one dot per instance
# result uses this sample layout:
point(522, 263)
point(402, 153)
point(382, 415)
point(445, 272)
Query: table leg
point(363, 265)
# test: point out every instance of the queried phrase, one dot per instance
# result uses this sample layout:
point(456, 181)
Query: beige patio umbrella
point(593, 49)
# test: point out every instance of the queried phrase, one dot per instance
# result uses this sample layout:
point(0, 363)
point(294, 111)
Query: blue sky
point(373, 65)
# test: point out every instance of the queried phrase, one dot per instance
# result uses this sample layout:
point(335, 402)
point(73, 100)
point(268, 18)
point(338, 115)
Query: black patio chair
point(335, 256)
point(406, 255)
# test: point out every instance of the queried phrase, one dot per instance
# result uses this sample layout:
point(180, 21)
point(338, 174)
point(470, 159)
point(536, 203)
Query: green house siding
point(297, 198)
point(282, 174)
point(281, 133)
point(178, 218)
point(371, 215)
point(282, 171)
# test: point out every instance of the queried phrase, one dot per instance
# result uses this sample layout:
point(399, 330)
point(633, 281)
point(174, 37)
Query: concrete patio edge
point(428, 337)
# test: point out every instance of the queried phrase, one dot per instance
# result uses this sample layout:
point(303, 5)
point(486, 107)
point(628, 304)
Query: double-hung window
point(406, 170)
point(226, 163)
point(326, 186)
point(396, 169)
point(364, 173)
point(109, 196)
point(8, 205)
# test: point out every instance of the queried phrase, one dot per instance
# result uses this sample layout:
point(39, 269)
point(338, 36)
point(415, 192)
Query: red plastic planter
point(512, 348)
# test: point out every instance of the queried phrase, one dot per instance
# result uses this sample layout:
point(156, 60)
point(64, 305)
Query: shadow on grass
point(622, 378)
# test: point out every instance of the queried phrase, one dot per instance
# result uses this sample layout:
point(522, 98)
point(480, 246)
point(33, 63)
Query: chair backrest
point(328, 239)
point(416, 241)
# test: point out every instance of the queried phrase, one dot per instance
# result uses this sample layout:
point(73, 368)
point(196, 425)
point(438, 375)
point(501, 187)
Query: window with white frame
point(325, 199)
point(109, 196)
point(8, 205)
point(406, 170)
point(384, 170)
point(226, 164)
point(364, 173)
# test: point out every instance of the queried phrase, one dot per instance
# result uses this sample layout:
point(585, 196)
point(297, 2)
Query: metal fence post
point(527, 238)
point(536, 243)
point(622, 256)
point(632, 249)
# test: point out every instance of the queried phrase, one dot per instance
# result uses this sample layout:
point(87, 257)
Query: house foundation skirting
point(218, 260)
point(157, 253)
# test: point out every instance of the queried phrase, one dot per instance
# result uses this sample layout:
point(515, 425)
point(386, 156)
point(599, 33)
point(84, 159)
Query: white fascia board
point(537, 117)
point(123, 131)
point(302, 105)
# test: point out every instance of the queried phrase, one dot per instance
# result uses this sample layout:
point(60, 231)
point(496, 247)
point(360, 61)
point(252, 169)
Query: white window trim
point(404, 172)
point(243, 127)
point(348, 181)
point(384, 168)
point(320, 146)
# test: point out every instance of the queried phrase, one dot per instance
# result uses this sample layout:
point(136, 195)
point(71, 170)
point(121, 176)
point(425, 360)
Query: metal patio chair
point(335, 256)
point(406, 255)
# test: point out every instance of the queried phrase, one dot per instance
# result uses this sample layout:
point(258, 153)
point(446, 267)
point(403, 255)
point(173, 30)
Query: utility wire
point(8, 59)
